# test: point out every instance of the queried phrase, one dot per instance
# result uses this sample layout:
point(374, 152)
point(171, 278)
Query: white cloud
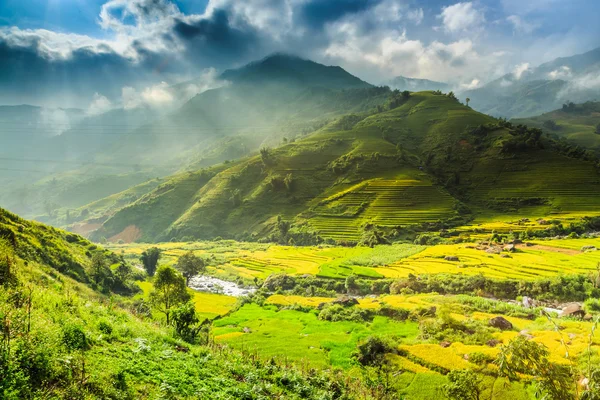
point(99, 105)
point(563, 72)
point(520, 70)
point(461, 17)
point(522, 26)
point(416, 16)
point(474, 84)
point(154, 96)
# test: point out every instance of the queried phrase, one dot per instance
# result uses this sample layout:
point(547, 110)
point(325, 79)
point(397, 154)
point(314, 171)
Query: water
point(215, 285)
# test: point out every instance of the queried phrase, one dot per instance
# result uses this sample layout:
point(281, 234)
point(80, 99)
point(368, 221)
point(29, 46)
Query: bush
point(105, 327)
point(74, 338)
point(373, 350)
point(337, 312)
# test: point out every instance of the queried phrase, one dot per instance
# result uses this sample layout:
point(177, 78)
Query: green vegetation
point(422, 163)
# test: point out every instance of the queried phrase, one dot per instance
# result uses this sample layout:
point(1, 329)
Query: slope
point(266, 101)
point(425, 163)
point(61, 339)
point(577, 123)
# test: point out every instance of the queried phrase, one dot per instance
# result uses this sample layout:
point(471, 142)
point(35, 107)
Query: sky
point(73, 52)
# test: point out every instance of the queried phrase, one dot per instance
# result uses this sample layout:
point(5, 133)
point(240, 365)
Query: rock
point(493, 342)
point(451, 258)
point(588, 317)
point(494, 250)
point(573, 310)
point(543, 222)
point(588, 248)
point(247, 330)
point(505, 256)
point(346, 301)
point(501, 323)
point(445, 344)
point(510, 248)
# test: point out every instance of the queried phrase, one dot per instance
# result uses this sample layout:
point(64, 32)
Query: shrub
point(373, 350)
point(105, 327)
point(74, 338)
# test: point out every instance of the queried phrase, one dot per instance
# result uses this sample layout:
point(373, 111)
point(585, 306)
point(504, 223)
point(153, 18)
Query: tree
point(150, 259)
point(169, 291)
point(123, 271)
point(463, 385)
point(100, 271)
point(190, 265)
point(468, 100)
point(524, 357)
point(185, 321)
point(406, 94)
point(598, 129)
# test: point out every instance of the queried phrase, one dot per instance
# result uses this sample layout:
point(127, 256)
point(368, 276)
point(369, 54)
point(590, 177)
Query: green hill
point(62, 339)
point(427, 163)
point(577, 123)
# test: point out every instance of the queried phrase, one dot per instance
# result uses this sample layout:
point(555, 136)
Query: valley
point(300, 200)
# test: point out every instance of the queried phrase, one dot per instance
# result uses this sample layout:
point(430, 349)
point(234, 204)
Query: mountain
point(291, 70)
point(541, 89)
point(416, 85)
point(577, 123)
point(424, 162)
point(275, 98)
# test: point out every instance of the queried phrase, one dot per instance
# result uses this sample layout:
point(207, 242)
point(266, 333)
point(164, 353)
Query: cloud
point(99, 105)
point(563, 72)
point(164, 96)
point(416, 16)
point(520, 70)
point(521, 26)
point(474, 84)
point(461, 17)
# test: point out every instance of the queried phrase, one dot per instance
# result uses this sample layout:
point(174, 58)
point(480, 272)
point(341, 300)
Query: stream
point(215, 285)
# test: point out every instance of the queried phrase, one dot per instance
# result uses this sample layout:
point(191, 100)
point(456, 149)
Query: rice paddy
point(232, 260)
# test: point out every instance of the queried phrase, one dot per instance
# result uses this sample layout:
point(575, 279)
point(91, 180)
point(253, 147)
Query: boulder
point(573, 310)
point(445, 344)
point(494, 250)
point(451, 258)
point(501, 323)
point(493, 342)
point(510, 248)
point(588, 317)
point(346, 301)
point(247, 330)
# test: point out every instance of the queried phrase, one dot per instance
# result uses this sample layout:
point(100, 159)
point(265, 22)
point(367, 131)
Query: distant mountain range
point(533, 91)
point(416, 85)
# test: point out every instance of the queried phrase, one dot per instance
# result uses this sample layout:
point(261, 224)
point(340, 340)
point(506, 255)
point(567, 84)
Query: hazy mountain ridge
point(533, 91)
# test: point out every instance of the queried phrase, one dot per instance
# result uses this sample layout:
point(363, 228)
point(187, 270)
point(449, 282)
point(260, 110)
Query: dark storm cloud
point(215, 41)
point(317, 13)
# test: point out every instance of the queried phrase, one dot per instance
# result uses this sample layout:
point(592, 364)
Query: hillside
point(577, 123)
point(278, 97)
point(430, 162)
point(62, 338)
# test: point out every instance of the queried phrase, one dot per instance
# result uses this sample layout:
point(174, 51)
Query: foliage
point(463, 385)
point(522, 356)
point(372, 352)
point(185, 321)
point(190, 265)
point(149, 259)
point(170, 290)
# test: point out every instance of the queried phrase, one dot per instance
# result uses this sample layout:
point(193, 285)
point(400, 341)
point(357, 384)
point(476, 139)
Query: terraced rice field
point(385, 202)
point(569, 187)
point(231, 260)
